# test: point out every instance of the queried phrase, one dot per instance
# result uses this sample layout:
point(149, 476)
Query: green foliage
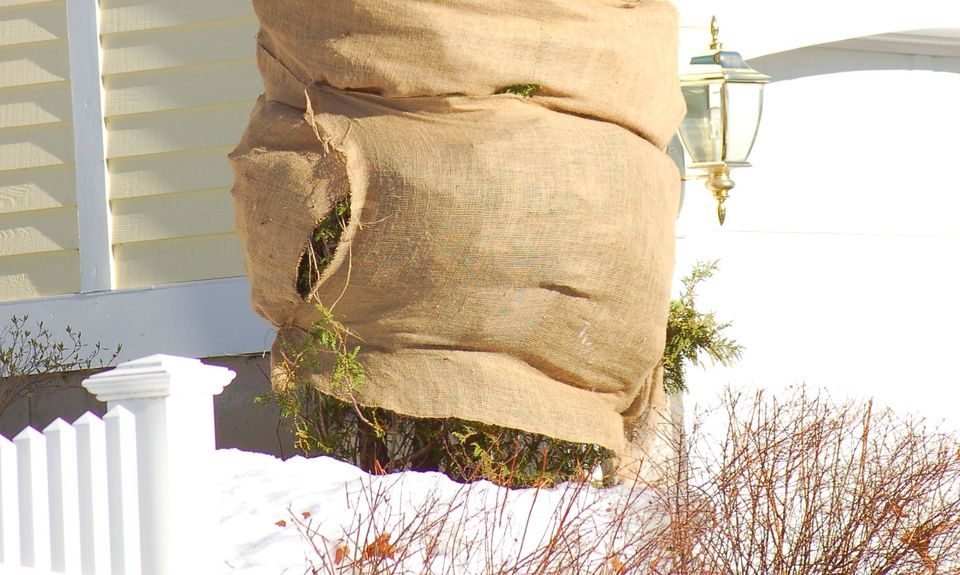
point(35, 350)
point(525, 90)
point(298, 400)
point(323, 244)
point(378, 440)
point(383, 441)
point(330, 335)
point(691, 333)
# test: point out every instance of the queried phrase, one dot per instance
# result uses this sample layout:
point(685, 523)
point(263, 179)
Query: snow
point(292, 516)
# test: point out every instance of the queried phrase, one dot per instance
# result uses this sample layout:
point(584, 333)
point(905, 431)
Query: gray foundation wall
point(240, 422)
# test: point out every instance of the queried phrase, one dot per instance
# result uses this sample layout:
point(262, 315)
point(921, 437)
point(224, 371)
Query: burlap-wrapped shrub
point(507, 260)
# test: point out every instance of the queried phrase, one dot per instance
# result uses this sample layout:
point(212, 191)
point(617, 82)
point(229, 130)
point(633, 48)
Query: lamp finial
point(719, 182)
point(715, 33)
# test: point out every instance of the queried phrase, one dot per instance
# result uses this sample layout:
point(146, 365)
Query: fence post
point(172, 399)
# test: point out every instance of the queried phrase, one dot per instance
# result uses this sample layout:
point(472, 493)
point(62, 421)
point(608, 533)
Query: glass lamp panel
point(702, 128)
point(744, 106)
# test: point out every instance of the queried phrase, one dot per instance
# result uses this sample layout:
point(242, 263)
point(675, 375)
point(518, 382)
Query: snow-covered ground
point(302, 515)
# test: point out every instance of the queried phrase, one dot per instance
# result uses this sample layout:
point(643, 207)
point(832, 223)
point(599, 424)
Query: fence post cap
point(158, 376)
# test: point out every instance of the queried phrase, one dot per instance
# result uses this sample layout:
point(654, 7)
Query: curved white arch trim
point(900, 51)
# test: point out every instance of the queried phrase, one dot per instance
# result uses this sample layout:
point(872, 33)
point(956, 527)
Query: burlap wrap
point(504, 262)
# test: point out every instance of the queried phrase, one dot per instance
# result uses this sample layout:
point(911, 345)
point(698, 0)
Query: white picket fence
point(127, 495)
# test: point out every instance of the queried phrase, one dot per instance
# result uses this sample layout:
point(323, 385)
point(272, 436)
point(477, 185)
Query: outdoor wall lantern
point(724, 101)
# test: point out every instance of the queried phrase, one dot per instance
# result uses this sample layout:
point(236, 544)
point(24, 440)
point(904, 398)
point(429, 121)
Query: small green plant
point(29, 351)
point(525, 90)
point(323, 243)
point(691, 333)
point(298, 400)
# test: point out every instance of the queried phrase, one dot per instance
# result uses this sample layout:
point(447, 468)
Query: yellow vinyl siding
point(38, 216)
point(36, 23)
point(37, 232)
point(183, 259)
point(172, 216)
point(36, 146)
point(176, 130)
point(39, 104)
point(25, 64)
point(170, 89)
point(188, 171)
point(180, 80)
point(9, 3)
point(37, 189)
point(39, 275)
point(172, 47)
point(134, 15)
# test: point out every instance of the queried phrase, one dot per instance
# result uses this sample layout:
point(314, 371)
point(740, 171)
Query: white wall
point(839, 255)
point(756, 28)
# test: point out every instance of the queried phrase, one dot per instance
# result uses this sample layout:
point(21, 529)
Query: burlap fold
point(504, 263)
point(614, 60)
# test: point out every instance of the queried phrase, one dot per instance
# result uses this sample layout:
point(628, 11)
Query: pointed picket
point(122, 485)
point(9, 504)
point(34, 508)
point(92, 488)
point(64, 497)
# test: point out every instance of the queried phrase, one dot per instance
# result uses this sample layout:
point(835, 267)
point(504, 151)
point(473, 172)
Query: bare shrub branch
point(30, 352)
point(802, 485)
point(792, 485)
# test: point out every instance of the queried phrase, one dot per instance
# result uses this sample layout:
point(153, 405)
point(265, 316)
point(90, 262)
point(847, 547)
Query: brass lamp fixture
point(724, 101)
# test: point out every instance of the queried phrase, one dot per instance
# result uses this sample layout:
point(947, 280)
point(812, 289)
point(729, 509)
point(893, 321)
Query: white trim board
point(89, 137)
point(195, 319)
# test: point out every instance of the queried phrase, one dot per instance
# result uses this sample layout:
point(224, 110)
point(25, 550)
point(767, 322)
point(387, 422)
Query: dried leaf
point(340, 554)
point(281, 523)
point(918, 540)
point(895, 508)
point(380, 547)
point(306, 514)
